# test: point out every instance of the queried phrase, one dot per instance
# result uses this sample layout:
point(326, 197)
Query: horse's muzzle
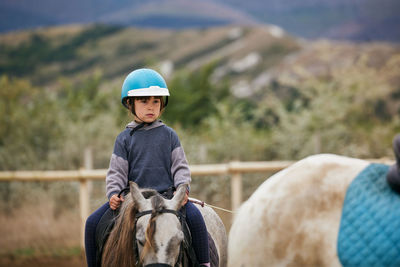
point(157, 265)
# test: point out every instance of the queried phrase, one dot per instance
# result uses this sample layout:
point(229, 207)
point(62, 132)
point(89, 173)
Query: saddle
point(107, 223)
point(369, 233)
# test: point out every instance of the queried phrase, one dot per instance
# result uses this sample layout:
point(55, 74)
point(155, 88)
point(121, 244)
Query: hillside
point(46, 55)
point(259, 75)
point(252, 56)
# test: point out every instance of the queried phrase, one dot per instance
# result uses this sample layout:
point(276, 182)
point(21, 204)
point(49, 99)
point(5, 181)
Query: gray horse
point(325, 210)
point(148, 231)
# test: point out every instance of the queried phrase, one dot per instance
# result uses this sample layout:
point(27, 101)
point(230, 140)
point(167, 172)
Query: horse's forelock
point(148, 193)
point(157, 204)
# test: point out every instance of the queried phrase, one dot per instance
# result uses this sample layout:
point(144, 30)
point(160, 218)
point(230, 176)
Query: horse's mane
point(118, 250)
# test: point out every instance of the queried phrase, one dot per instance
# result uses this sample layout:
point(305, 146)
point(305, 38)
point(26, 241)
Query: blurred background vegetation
point(277, 98)
point(237, 93)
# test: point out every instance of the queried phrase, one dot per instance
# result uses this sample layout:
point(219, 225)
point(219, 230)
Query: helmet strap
point(166, 102)
point(141, 125)
point(132, 109)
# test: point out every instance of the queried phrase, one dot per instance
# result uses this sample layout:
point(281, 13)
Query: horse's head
point(158, 229)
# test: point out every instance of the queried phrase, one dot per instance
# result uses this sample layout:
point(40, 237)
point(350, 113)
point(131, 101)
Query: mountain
point(361, 20)
point(151, 13)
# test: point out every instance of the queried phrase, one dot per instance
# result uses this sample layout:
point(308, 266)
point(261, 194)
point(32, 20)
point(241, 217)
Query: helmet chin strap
point(166, 101)
point(132, 109)
point(138, 119)
point(137, 128)
point(140, 125)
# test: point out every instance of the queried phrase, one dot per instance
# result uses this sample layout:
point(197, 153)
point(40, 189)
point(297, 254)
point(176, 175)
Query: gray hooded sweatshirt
point(152, 157)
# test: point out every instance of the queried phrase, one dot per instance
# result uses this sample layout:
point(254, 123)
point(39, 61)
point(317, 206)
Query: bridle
point(138, 215)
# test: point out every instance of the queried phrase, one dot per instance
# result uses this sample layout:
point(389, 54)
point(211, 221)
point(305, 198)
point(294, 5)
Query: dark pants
point(90, 234)
point(199, 233)
point(194, 220)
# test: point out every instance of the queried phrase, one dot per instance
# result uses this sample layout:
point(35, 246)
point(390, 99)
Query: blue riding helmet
point(144, 82)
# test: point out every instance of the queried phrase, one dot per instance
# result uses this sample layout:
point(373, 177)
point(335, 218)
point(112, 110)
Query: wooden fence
point(84, 176)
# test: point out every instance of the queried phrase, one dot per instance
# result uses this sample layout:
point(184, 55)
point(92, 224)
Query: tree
point(29, 125)
point(194, 97)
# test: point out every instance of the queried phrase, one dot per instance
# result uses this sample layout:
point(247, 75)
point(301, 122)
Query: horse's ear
point(137, 197)
point(176, 201)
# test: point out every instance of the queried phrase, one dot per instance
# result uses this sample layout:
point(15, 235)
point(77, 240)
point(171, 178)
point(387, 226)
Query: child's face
point(147, 110)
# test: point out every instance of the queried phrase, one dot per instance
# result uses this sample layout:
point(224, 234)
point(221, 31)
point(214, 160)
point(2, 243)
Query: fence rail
point(83, 176)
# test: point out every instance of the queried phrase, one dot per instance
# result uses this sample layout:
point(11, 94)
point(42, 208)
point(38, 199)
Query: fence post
point(236, 189)
point(84, 207)
point(84, 192)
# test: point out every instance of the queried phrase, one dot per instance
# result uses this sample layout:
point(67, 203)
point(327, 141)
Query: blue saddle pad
point(369, 233)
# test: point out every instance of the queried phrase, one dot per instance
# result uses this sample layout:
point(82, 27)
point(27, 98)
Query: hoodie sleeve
point(180, 168)
point(117, 175)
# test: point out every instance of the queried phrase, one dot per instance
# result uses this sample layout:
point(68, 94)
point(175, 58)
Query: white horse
point(293, 218)
point(149, 232)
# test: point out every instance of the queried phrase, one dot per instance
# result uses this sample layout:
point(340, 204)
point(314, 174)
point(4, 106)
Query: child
point(149, 153)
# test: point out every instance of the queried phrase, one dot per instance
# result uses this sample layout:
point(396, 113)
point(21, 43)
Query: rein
point(202, 203)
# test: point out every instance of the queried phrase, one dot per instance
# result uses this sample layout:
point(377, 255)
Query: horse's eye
point(141, 239)
point(141, 242)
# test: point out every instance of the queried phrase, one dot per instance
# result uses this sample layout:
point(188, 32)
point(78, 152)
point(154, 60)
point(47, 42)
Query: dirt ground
point(43, 261)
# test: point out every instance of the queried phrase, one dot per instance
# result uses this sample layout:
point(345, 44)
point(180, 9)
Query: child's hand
point(185, 199)
point(115, 201)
